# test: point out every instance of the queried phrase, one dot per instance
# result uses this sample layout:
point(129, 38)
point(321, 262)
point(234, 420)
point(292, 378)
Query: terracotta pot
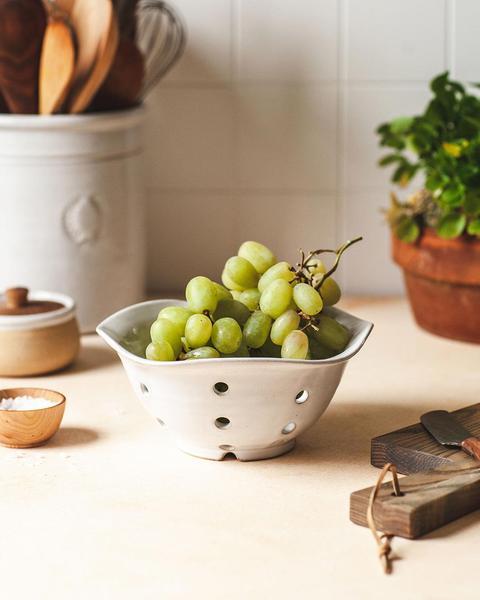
point(443, 284)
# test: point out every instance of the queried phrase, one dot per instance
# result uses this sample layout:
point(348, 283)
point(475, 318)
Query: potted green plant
point(436, 230)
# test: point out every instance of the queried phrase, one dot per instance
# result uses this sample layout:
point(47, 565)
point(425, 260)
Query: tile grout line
point(450, 36)
point(342, 72)
point(235, 41)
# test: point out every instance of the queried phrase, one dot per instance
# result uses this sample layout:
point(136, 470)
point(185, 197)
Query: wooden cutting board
point(412, 449)
point(442, 484)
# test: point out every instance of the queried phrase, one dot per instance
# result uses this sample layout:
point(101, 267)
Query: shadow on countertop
point(343, 434)
point(90, 358)
point(73, 436)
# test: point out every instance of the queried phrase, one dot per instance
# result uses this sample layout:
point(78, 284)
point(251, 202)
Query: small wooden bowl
point(30, 428)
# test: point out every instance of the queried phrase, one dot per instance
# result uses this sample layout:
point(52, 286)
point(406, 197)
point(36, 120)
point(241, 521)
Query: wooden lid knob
point(16, 297)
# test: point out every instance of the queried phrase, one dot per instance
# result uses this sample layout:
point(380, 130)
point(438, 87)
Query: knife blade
point(448, 432)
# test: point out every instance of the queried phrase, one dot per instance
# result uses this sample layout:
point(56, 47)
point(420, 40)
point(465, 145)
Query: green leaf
point(389, 159)
point(438, 84)
point(401, 125)
point(453, 195)
point(472, 204)
point(451, 226)
point(473, 228)
point(407, 230)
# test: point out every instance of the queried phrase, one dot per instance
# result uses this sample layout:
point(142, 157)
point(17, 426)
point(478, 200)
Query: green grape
point(295, 345)
point(236, 294)
point(275, 299)
point(256, 330)
point(269, 350)
point(307, 299)
point(281, 270)
point(241, 272)
point(241, 352)
point(178, 315)
point(201, 295)
point(314, 266)
point(258, 255)
point(230, 284)
point(222, 292)
point(226, 335)
point(137, 339)
point(318, 351)
point(233, 309)
point(286, 322)
point(330, 291)
point(163, 329)
point(160, 350)
point(203, 352)
point(331, 333)
point(250, 298)
point(198, 331)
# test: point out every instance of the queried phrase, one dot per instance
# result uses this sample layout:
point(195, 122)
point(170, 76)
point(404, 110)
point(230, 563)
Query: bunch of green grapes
point(264, 308)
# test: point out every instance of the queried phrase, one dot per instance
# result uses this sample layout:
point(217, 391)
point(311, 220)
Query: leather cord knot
point(383, 540)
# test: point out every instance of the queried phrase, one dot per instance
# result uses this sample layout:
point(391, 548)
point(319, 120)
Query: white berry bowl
point(253, 408)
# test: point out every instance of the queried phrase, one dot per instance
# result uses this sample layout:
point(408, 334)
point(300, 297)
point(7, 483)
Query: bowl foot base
point(243, 455)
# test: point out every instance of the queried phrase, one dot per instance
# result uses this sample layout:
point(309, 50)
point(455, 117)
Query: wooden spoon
point(3, 105)
point(127, 20)
point(57, 64)
point(22, 25)
point(96, 28)
point(123, 85)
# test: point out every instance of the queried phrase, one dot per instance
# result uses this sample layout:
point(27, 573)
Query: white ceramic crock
point(71, 203)
point(251, 407)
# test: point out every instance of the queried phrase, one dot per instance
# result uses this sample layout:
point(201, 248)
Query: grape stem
point(304, 264)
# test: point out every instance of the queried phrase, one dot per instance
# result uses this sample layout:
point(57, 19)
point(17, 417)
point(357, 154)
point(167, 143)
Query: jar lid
point(20, 309)
point(16, 302)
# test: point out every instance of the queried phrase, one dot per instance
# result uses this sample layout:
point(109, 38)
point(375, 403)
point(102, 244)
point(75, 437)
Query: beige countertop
point(110, 509)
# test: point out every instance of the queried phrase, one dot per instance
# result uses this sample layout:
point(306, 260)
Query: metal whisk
point(161, 37)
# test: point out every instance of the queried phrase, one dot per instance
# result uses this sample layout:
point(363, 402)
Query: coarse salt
point(26, 403)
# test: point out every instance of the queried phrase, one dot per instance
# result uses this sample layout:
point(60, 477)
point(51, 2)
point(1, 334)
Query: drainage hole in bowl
point(144, 389)
point(222, 422)
point(227, 447)
point(220, 388)
point(301, 397)
point(162, 423)
point(289, 427)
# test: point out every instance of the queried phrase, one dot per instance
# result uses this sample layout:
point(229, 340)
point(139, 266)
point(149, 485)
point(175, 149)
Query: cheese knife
point(448, 432)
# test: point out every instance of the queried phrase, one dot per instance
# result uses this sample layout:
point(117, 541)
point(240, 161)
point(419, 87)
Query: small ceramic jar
point(38, 332)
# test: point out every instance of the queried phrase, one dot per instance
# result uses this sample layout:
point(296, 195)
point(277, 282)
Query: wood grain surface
point(443, 485)
point(429, 501)
point(30, 428)
point(412, 449)
point(57, 65)
point(22, 25)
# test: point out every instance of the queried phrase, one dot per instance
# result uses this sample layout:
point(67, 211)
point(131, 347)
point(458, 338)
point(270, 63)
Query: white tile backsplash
point(266, 128)
point(189, 233)
point(208, 55)
point(395, 40)
point(366, 108)
point(286, 137)
point(190, 138)
point(279, 220)
point(287, 41)
point(367, 265)
point(467, 39)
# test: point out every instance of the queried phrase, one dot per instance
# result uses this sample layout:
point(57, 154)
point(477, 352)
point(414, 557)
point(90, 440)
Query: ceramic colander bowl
point(251, 407)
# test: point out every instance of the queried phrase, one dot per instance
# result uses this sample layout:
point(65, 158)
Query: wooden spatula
point(96, 28)
point(22, 25)
point(127, 21)
point(57, 65)
point(123, 85)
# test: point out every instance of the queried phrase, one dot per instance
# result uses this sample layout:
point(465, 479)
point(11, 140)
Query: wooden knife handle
point(472, 446)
